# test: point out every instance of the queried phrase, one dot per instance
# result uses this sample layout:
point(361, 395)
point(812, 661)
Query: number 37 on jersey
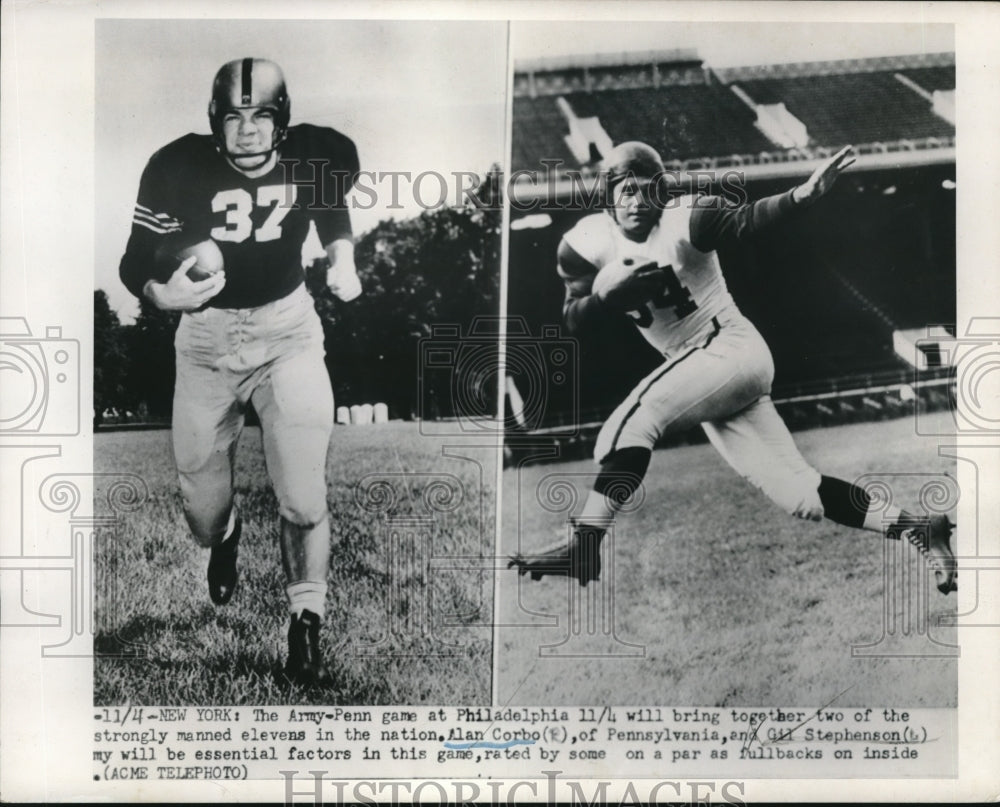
point(271, 202)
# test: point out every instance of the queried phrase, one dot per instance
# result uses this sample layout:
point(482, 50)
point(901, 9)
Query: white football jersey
point(694, 291)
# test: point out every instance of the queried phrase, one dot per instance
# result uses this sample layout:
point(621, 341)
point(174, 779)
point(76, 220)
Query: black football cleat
point(222, 573)
point(932, 536)
point(305, 661)
point(579, 557)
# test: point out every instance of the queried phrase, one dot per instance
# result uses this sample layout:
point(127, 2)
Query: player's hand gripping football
point(822, 178)
point(180, 292)
point(629, 283)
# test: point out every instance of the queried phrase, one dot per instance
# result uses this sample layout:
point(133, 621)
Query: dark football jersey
point(259, 223)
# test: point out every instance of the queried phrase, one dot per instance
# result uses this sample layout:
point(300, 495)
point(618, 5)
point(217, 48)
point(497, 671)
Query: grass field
point(726, 599)
point(399, 627)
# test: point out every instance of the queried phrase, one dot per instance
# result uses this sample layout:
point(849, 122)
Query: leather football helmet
point(246, 84)
point(634, 159)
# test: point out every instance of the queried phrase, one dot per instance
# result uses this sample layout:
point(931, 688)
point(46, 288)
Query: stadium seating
point(827, 293)
point(932, 78)
point(539, 133)
point(853, 107)
point(680, 121)
point(688, 111)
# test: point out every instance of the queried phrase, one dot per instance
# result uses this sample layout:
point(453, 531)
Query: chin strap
point(220, 146)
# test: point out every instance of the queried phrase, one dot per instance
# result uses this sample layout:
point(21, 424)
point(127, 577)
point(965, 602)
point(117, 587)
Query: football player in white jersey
point(652, 256)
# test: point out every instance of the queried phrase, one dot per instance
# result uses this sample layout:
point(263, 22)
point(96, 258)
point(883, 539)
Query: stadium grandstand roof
point(769, 120)
point(838, 67)
point(550, 63)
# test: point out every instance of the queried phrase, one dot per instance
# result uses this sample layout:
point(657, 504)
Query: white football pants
point(722, 380)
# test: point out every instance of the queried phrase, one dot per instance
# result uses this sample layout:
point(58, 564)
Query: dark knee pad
point(843, 502)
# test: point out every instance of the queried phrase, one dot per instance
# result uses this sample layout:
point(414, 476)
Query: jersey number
point(237, 204)
point(672, 295)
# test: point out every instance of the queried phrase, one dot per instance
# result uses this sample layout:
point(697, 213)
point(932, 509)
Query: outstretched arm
point(714, 222)
point(822, 178)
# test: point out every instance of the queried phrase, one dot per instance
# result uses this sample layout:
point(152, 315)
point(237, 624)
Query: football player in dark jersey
point(652, 256)
point(217, 233)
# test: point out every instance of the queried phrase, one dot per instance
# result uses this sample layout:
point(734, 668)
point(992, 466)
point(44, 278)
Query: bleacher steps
point(584, 133)
point(775, 122)
point(925, 348)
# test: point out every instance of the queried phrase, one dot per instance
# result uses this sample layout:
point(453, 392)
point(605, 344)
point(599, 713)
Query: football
point(175, 249)
point(628, 283)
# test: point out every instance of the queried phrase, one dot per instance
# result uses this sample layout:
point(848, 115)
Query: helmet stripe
point(247, 90)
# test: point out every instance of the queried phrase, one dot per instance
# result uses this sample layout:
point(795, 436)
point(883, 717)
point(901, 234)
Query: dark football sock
point(622, 473)
point(843, 502)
